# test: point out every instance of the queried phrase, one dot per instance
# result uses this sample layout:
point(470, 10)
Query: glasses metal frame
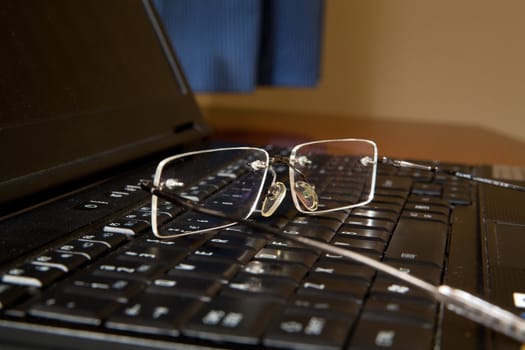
point(291, 162)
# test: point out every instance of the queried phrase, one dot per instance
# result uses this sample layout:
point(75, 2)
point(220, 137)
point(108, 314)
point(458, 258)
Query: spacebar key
point(418, 241)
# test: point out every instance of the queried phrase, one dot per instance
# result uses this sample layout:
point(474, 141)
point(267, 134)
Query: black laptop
point(92, 97)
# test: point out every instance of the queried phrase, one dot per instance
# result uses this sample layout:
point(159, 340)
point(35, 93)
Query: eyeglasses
point(321, 175)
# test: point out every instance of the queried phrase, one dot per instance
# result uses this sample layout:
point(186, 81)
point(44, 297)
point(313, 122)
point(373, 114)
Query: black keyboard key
point(260, 286)
point(351, 243)
point(32, 275)
point(279, 243)
point(375, 214)
point(127, 226)
point(429, 273)
point(156, 254)
point(211, 252)
point(390, 335)
point(428, 208)
point(66, 262)
point(231, 319)
point(363, 233)
point(373, 224)
point(74, 308)
point(192, 287)
point(185, 244)
point(391, 201)
point(401, 311)
point(153, 314)
point(295, 272)
point(10, 294)
point(420, 215)
point(313, 331)
point(329, 224)
point(427, 189)
point(337, 286)
point(386, 207)
point(308, 304)
point(216, 270)
point(394, 182)
point(103, 287)
point(87, 248)
point(418, 241)
point(320, 233)
point(125, 269)
point(227, 238)
point(110, 239)
point(428, 200)
point(287, 256)
point(332, 267)
point(396, 290)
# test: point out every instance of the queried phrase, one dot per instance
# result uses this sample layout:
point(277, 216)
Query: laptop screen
point(83, 89)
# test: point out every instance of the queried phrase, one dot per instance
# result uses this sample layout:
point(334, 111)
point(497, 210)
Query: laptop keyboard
point(238, 286)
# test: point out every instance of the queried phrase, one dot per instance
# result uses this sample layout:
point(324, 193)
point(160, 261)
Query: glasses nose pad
point(273, 199)
point(306, 195)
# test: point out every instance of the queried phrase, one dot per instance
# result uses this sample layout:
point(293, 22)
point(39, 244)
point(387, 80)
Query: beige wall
point(444, 60)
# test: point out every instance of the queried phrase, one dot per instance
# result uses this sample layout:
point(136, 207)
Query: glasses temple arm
point(405, 164)
point(458, 301)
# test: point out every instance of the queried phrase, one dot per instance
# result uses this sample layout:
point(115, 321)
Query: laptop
point(92, 98)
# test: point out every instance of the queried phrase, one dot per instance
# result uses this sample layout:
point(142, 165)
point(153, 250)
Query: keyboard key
point(337, 268)
point(74, 308)
point(138, 270)
point(418, 241)
point(260, 286)
point(387, 207)
point(428, 273)
point(126, 226)
point(308, 304)
point(390, 335)
point(66, 262)
point(295, 272)
point(232, 319)
point(227, 238)
point(321, 233)
point(363, 233)
point(427, 189)
point(216, 270)
point(374, 224)
point(428, 208)
point(103, 287)
point(32, 275)
point(314, 331)
point(434, 201)
point(212, 252)
point(110, 239)
point(351, 243)
point(87, 248)
point(398, 290)
point(375, 214)
point(287, 256)
point(401, 311)
point(155, 254)
point(192, 287)
point(153, 314)
point(420, 215)
point(338, 286)
point(10, 293)
point(394, 182)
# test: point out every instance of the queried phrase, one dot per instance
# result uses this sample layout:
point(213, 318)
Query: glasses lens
point(228, 180)
point(332, 175)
